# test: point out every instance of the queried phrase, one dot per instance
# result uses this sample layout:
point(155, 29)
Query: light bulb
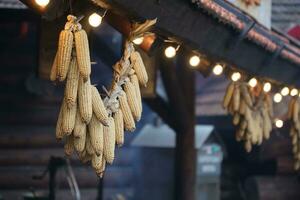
point(95, 20)
point(252, 82)
point(278, 123)
point(194, 61)
point(170, 52)
point(42, 3)
point(218, 69)
point(285, 91)
point(138, 40)
point(294, 92)
point(277, 97)
point(236, 76)
point(267, 87)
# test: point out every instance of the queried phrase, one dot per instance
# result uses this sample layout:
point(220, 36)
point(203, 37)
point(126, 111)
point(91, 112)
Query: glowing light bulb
point(218, 69)
point(278, 123)
point(294, 92)
point(138, 40)
point(42, 3)
point(285, 91)
point(277, 98)
point(267, 87)
point(194, 61)
point(95, 20)
point(252, 82)
point(236, 76)
point(170, 52)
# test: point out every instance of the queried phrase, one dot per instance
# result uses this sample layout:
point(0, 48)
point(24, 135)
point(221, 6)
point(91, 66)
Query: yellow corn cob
point(98, 107)
point(290, 108)
point(97, 162)
point(80, 127)
point(228, 95)
point(236, 98)
point(119, 127)
point(100, 172)
point(69, 145)
point(296, 112)
point(139, 67)
point(88, 145)
point(72, 84)
point(79, 142)
point(134, 80)
point(68, 120)
point(83, 54)
point(132, 101)
point(128, 118)
point(236, 118)
point(96, 135)
point(248, 146)
point(53, 72)
point(246, 95)
point(59, 131)
point(64, 52)
point(109, 141)
point(85, 100)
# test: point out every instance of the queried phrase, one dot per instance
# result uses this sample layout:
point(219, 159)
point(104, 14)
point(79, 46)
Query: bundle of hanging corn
point(294, 117)
point(90, 125)
point(252, 112)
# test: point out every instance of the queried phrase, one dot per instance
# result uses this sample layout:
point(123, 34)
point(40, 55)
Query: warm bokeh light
point(278, 123)
point(252, 82)
point(170, 52)
point(277, 98)
point(294, 92)
point(138, 40)
point(267, 87)
point(42, 3)
point(285, 91)
point(218, 69)
point(236, 76)
point(194, 61)
point(95, 20)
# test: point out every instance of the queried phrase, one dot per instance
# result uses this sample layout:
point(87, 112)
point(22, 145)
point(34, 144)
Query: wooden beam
point(194, 28)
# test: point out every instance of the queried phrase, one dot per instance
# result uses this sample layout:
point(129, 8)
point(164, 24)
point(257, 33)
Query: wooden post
point(185, 153)
point(180, 88)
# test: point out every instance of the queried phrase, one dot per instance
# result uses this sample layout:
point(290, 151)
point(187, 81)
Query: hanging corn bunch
point(90, 125)
point(252, 113)
point(293, 115)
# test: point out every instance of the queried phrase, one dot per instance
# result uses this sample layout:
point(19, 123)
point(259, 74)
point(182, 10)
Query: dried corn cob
point(85, 100)
point(72, 84)
point(134, 80)
point(228, 95)
point(98, 107)
point(69, 145)
point(68, 120)
point(132, 101)
point(139, 67)
point(128, 118)
point(109, 141)
point(236, 118)
point(119, 127)
point(80, 127)
point(236, 98)
point(83, 54)
point(97, 162)
point(79, 142)
point(100, 172)
point(88, 145)
point(53, 72)
point(59, 130)
point(96, 135)
point(64, 52)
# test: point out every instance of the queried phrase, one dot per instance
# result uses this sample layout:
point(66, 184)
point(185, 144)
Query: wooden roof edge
point(272, 41)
